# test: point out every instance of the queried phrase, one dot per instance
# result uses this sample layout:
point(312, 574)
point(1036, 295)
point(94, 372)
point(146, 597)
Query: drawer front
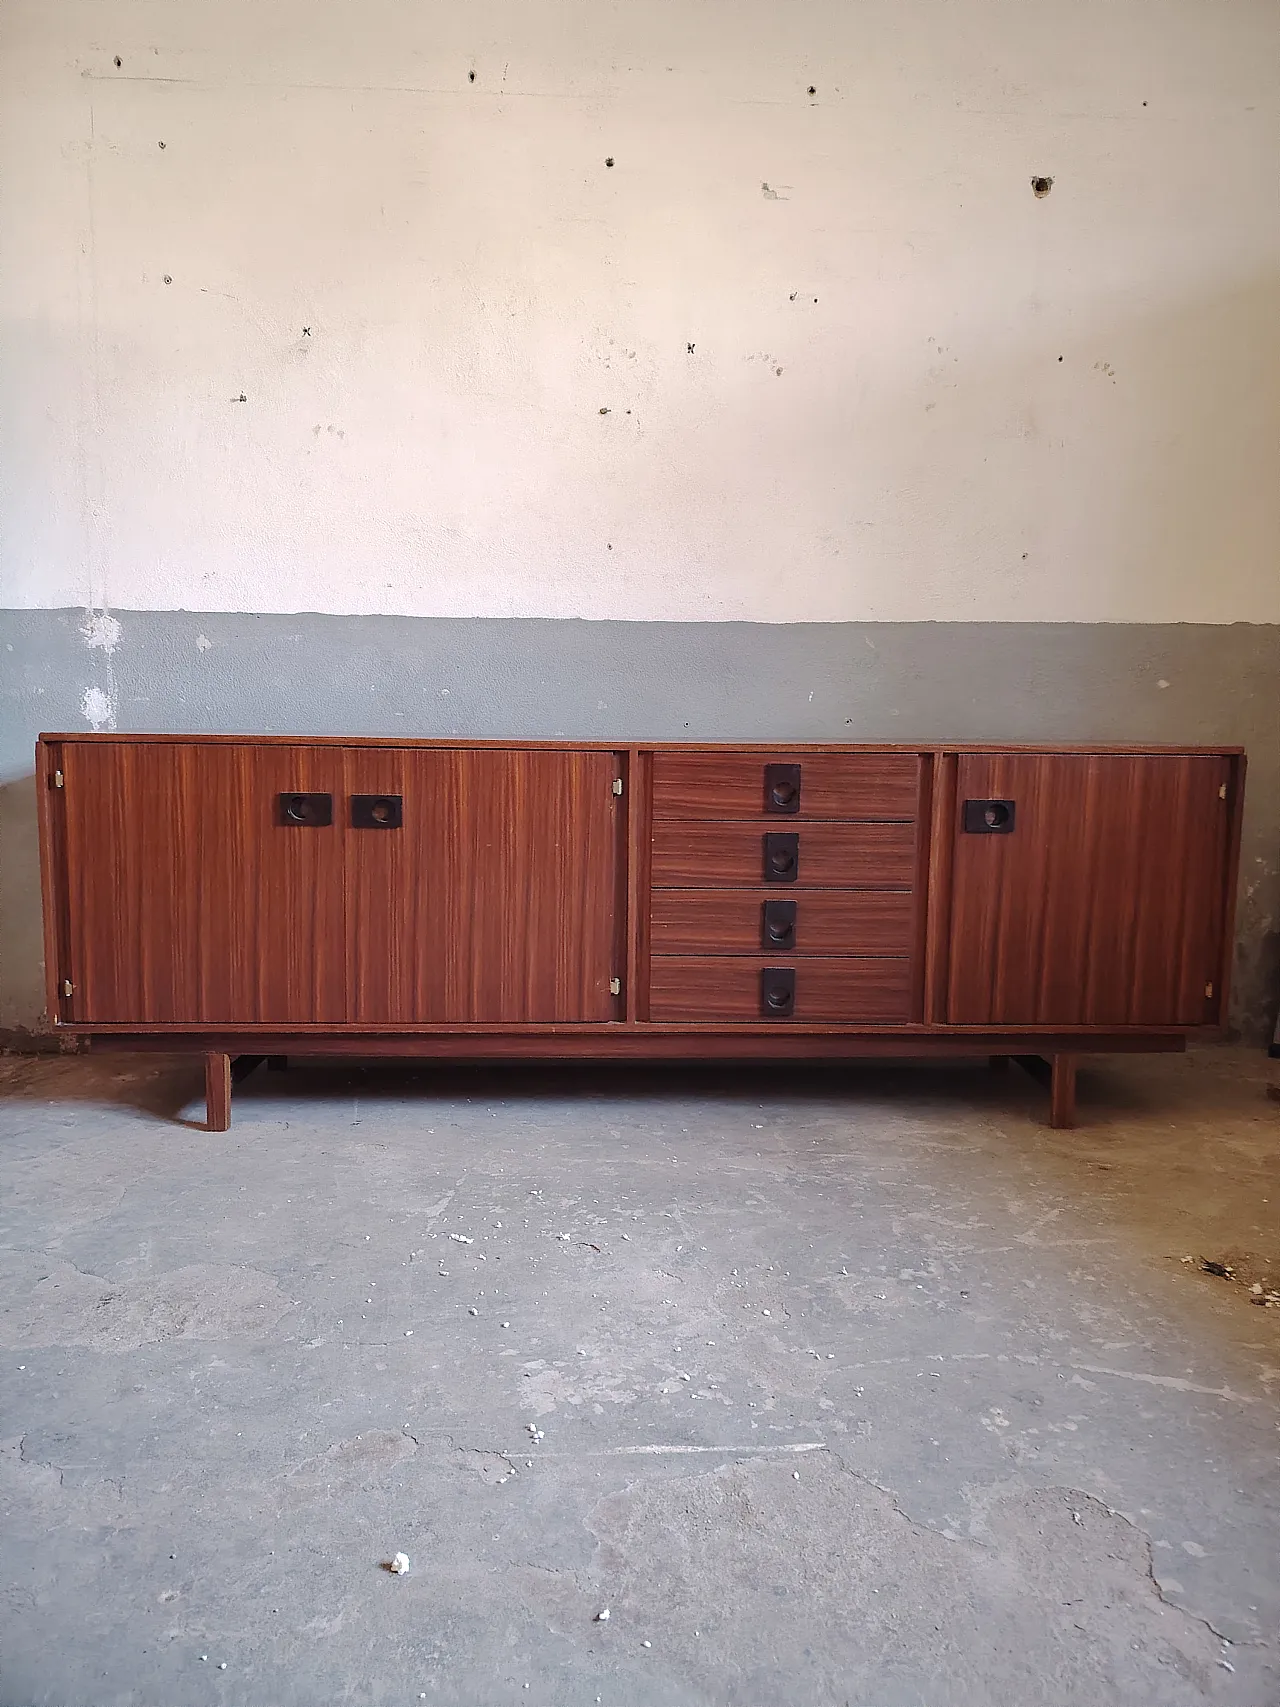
point(871, 786)
point(832, 856)
point(760, 921)
point(868, 992)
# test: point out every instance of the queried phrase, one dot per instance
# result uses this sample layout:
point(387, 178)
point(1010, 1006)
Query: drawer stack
point(783, 887)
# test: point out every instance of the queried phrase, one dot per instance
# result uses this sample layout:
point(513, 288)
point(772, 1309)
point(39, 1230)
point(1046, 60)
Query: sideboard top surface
point(626, 744)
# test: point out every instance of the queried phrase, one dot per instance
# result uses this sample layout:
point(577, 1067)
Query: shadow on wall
point(23, 1022)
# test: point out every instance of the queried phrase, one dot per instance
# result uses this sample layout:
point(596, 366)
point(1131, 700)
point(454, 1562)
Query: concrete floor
point(848, 1387)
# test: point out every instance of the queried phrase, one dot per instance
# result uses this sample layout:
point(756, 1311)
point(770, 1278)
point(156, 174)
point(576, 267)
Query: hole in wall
point(1041, 187)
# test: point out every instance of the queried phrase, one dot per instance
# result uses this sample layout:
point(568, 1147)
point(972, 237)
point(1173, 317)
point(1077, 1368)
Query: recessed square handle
point(377, 811)
point(782, 788)
point(778, 992)
point(781, 856)
point(778, 925)
point(306, 810)
point(989, 817)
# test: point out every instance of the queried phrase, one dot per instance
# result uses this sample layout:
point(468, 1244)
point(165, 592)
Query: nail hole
point(168, 278)
point(120, 62)
point(471, 76)
point(609, 161)
point(162, 145)
point(812, 90)
point(1041, 186)
point(689, 349)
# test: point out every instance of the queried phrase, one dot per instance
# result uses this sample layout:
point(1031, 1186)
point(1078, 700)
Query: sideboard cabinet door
point(189, 898)
point(282, 884)
point(495, 900)
point(1088, 889)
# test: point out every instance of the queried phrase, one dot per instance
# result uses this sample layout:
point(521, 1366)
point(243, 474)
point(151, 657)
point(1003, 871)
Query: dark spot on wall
point(168, 278)
point(1144, 103)
point(609, 160)
point(162, 145)
point(793, 296)
point(119, 62)
point(471, 76)
point(306, 331)
point(1041, 187)
point(608, 548)
point(812, 90)
point(778, 371)
point(604, 411)
point(689, 349)
point(241, 399)
point(1060, 358)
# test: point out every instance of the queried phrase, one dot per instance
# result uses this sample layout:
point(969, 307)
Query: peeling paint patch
point(98, 709)
point(203, 643)
point(101, 631)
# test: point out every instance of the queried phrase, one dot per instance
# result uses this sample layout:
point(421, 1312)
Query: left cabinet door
point(189, 895)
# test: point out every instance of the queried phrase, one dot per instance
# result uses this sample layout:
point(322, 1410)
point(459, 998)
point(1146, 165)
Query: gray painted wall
point(370, 675)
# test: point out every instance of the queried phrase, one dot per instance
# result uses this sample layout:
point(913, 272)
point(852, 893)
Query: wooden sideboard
point(256, 898)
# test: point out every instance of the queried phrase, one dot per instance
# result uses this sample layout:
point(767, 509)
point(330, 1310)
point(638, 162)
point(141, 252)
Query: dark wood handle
point(781, 857)
point(782, 788)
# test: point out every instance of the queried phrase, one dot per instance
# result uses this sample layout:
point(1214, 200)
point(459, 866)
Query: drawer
point(868, 992)
point(832, 856)
point(806, 785)
point(756, 921)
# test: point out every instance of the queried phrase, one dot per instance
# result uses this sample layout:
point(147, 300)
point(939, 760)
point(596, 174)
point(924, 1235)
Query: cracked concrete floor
point(856, 1386)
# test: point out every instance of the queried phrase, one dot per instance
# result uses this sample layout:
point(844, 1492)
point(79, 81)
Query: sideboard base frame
point(1051, 1059)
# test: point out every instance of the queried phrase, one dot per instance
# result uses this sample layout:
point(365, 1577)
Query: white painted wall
point(916, 392)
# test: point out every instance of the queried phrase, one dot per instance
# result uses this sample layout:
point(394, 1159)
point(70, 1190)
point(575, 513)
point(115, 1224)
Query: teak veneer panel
point(833, 856)
point(188, 901)
point(827, 921)
point(867, 992)
point(833, 785)
point(1105, 905)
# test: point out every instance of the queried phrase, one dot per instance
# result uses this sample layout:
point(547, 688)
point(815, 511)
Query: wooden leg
point(217, 1092)
point(1058, 1076)
point(1062, 1091)
point(277, 1063)
point(998, 1063)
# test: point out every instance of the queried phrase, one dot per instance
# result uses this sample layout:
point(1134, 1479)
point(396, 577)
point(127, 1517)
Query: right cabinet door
point(1088, 889)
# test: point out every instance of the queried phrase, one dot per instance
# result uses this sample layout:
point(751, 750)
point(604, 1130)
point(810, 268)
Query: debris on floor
point(399, 1565)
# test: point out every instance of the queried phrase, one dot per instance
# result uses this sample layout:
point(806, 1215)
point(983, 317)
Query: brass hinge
point(68, 988)
point(58, 780)
point(615, 986)
point(1222, 792)
point(1208, 989)
point(617, 785)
